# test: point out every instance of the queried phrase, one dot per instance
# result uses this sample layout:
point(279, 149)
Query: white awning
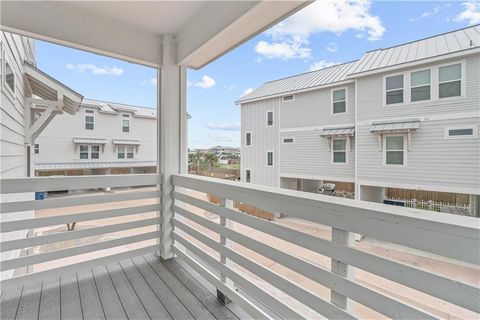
point(345, 131)
point(94, 165)
point(395, 126)
point(89, 141)
point(126, 142)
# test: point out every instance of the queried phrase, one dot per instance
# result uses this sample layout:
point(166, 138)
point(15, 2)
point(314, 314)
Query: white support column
point(228, 243)
point(345, 238)
point(171, 136)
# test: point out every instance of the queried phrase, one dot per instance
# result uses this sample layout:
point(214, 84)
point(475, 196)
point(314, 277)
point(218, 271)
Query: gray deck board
point(144, 287)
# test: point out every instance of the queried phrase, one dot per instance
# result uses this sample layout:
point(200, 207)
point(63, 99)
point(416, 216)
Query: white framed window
point(83, 151)
point(270, 118)
point(248, 175)
point(248, 138)
point(125, 125)
point(394, 86)
point(288, 98)
point(269, 158)
point(339, 101)
point(288, 140)
point(461, 132)
point(89, 120)
point(394, 151)
point(9, 77)
point(95, 152)
point(130, 152)
point(121, 152)
point(420, 85)
point(450, 80)
point(339, 150)
point(36, 148)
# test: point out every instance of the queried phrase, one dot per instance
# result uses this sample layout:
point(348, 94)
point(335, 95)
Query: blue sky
point(322, 34)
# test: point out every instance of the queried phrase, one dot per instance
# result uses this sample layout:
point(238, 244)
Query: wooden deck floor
point(140, 288)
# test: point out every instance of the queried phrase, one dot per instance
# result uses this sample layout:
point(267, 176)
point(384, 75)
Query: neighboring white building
point(101, 138)
point(402, 117)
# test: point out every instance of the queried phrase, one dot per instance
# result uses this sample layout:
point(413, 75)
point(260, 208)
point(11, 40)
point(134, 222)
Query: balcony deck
point(144, 287)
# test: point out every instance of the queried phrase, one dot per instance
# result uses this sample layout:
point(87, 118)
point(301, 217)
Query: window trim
point(405, 149)
point(283, 140)
point(384, 89)
point(80, 152)
point(462, 79)
point(473, 136)
point(4, 75)
point(273, 118)
point(89, 113)
point(128, 125)
point(346, 101)
point(410, 87)
point(273, 159)
point(133, 152)
point(288, 95)
point(251, 141)
point(124, 152)
point(250, 170)
point(333, 152)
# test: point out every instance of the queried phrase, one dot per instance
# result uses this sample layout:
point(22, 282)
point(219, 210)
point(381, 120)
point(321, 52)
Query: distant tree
point(211, 159)
point(195, 158)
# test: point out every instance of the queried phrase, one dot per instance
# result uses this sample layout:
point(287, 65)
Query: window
point(248, 138)
point(129, 152)
point(83, 151)
point(288, 140)
point(394, 150)
point(339, 101)
point(36, 148)
point(420, 85)
point(89, 120)
point(125, 125)
point(460, 132)
point(270, 158)
point(339, 150)
point(248, 175)
point(121, 152)
point(288, 98)
point(9, 77)
point(94, 152)
point(394, 89)
point(269, 118)
point(450, 81)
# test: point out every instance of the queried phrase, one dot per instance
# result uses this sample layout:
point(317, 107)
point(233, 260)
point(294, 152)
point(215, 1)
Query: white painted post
point(172, 136)
point(228, 243)
point(345, 238)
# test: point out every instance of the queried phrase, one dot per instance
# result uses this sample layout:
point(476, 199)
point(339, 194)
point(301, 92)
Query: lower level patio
point(144, 287)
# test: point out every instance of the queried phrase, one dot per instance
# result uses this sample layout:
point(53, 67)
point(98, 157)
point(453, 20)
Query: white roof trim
point(94, 165)
point(126, 142)
point(89, 141)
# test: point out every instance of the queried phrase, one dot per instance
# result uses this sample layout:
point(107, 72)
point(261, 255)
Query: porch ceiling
point(131, 30)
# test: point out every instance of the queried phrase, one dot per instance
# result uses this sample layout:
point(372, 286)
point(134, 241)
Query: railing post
point(228, 243)
point(342, 269)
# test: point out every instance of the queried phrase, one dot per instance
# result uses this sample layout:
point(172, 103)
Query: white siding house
point(408, 118)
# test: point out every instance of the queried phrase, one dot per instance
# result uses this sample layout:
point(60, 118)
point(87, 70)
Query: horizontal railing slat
point(77, 217)
point(446, 289)
point(437, 233)
point(75, 234)
point(76, 182)
point(64, 253)
point(246, 305)
point(270, 301)
point(301, 294)
point(80, 267)
point(364, 295)
point(17, 206)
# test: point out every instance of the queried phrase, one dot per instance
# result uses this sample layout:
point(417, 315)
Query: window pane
point(447, 73)
point(270, 118)
point(339, 107)
point(248, 139)
point(288, 140)
point(460, 132)
point(83, 148)
point(449, 89)
point(339, 157)
point(420, 78)
point(270, 158)
point(129, 155)
point(83, 155)
point(95, 148)
point(125, 123)
point(121, 155)
point(89, 119)
point(247, 176)
point(394, 143)
point(125, 129)
point(339, 144)
point(394, 82)
point(9, 76)
point(421, 93)
point(395, 96)
point(394, 157)
point(95, 155)
point(89, 126)
point(339, 95)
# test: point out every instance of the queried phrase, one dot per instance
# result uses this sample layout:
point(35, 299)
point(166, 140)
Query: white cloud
point(151, 81)
point(95, 70)
point(206, 83)
point(470, 13)
point(224, 137)
point(321, 64)
point(247, 91)
point(226, 126)
point(426, 14)
point(332, 47)
point(282, 50)
point(230, 87)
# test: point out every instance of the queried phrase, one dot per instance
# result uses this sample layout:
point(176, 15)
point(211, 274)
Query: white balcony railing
point(232, 260)
point(124, 237)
